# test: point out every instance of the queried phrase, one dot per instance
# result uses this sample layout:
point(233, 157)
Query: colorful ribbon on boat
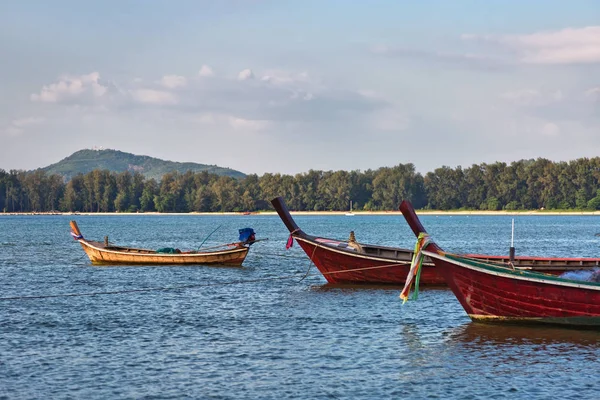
point(414, 275)
point(290, 241)
point(76, 236)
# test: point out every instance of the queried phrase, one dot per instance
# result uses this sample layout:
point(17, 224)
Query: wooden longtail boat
point(496, 293)
point(104, 253)
point(350, 262)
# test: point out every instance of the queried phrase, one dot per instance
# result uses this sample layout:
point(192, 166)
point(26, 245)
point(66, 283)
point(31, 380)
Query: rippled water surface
point(264, 332)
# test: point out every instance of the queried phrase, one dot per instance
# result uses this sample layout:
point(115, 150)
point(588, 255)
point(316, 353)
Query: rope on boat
point(365, 268)
point(167, 288)
point(210, 234)
point(346, 270)
point(310, 264)
point(339, 272)
point(233, 244)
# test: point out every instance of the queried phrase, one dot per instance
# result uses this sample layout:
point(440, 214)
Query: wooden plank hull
point(490, 293)
point(340, 263)
point(99, 254)
point(499, 294)
point(343, 266)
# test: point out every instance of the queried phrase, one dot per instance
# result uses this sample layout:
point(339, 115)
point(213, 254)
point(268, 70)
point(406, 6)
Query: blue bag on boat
point(247, 235)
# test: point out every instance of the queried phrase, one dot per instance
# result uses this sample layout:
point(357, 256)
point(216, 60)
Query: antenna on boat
point(512, 243)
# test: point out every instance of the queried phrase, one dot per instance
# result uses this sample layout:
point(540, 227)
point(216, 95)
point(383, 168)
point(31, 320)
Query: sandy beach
point(340, 213)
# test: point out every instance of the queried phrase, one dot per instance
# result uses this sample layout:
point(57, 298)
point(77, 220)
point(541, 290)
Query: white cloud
point(454, 59)
point(205, 118)
point(593, 93)
point(568, 105)
point(155, 97)
point(570, 46)
point(381, 49)
point(173, 81)
point(371, 94)
point(285, 78)
point(532, 97)
point(390, 119)
point(245, 74)
point(71, 87)
point(566, 46)
point(206, 71)
point(283, 97)
point(550, 129)
point(23, 122)
point(243, 124)
point(17, 126)
point(220, 120)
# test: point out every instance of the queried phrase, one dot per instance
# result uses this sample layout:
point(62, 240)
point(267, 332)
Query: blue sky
point(288, 86)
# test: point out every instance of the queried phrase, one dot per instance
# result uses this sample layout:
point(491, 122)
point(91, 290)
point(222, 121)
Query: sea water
point(273, 329)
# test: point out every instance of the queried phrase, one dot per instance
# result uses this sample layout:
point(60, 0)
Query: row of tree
point(525, 184)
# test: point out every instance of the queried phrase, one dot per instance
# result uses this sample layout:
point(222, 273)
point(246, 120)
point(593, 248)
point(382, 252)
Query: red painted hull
point(339, 262)
point(342, 267)
point(490, 293)
point(499, 294)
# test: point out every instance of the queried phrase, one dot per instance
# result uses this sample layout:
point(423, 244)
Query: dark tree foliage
point(521, 185)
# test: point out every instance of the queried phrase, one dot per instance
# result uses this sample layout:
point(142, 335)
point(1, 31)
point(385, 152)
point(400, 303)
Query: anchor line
point(154, 289)
point(184, 287)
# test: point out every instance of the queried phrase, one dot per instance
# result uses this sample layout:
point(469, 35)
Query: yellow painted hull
point(99, 254)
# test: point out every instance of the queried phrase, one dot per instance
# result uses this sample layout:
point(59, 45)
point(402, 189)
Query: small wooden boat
point(351, 262)
point(499, 293)
point(232, 254)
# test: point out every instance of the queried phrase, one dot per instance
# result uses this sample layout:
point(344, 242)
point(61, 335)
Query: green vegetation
point(85, 161)
point(522, 185)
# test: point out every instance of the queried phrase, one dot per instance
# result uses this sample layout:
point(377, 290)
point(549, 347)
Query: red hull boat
point(350, 262)
point(495, 293)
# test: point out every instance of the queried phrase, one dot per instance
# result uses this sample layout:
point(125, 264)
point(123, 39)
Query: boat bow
point(499, 293)
point(287, 219)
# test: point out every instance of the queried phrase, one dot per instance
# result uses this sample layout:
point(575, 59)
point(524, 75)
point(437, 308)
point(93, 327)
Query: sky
point(288, 86)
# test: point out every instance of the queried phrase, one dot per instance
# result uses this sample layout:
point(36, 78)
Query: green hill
point(85, 161)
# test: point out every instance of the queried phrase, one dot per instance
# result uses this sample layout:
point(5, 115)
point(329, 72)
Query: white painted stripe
point(104, 250)
point(353, 253)
point(555, 281)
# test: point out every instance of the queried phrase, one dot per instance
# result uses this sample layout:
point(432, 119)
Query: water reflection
point(477, 333)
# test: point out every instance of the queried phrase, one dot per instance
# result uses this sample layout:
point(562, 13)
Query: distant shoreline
point(340, 213)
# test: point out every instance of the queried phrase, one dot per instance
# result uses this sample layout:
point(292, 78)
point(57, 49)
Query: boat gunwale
point(182, 255)
point(524, 263)
point(535, 258)
point(353, 253)
point(506, 272)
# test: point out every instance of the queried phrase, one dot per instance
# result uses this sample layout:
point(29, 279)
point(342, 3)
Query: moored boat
point(232, 254)
point(351, 262)
point(500, 293)
point(350, 213)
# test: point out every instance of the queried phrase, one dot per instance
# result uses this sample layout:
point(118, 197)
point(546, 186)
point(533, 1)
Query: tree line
point(521, 185)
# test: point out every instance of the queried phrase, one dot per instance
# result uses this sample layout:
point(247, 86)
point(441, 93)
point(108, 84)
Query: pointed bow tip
point(405, 205)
